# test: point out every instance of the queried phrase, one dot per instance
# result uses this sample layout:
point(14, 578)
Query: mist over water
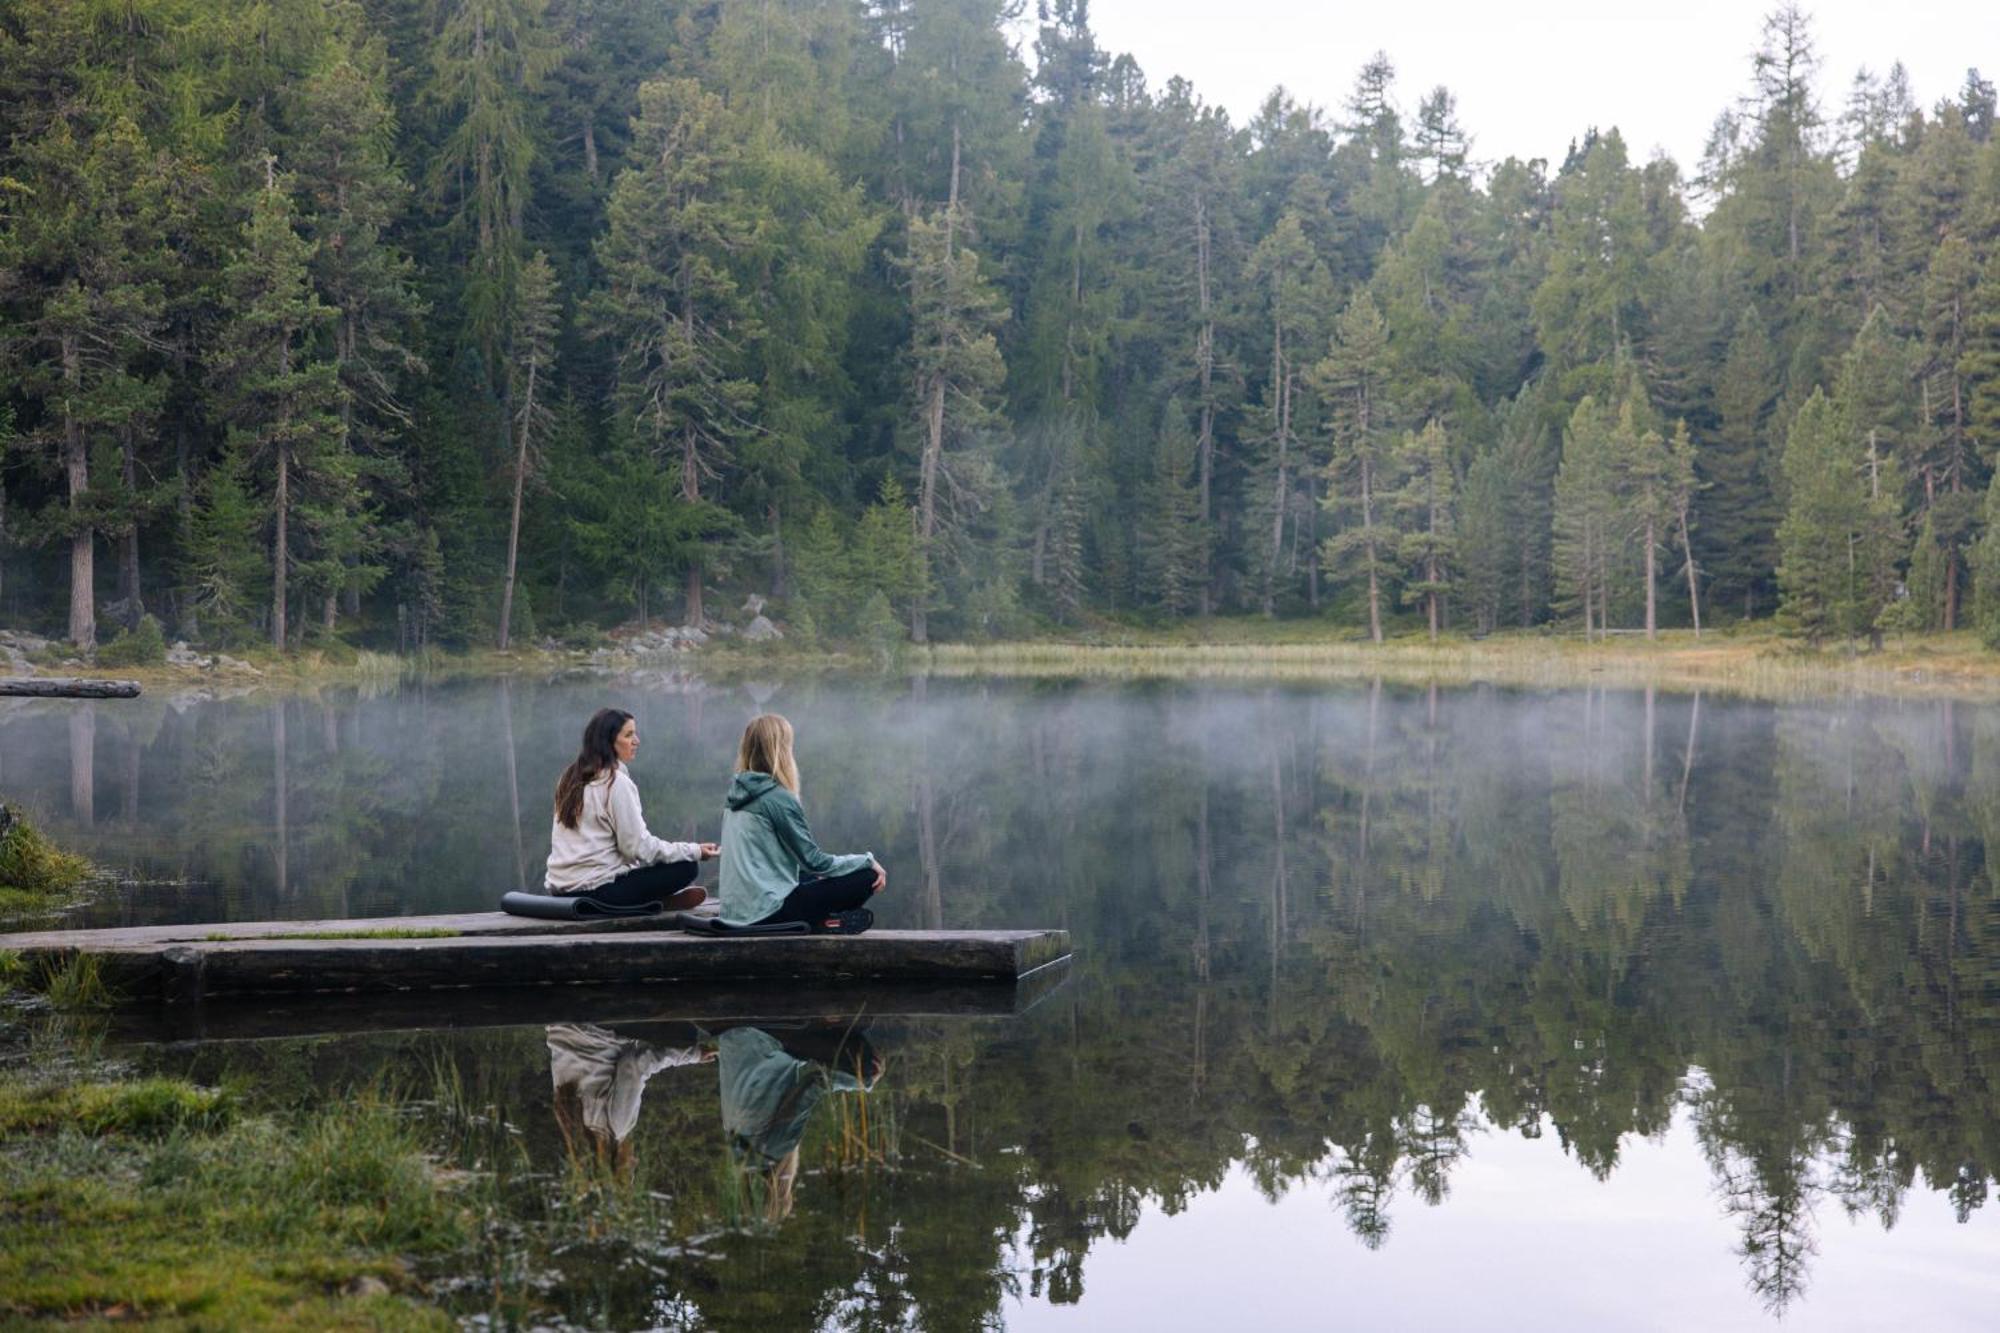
point(1372, 982)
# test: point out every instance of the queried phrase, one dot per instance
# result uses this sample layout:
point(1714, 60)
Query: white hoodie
point(609, 839)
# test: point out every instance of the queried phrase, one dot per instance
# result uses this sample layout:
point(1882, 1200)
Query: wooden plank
point(187, 971)
point(292, 1017)
point(461, 923)
point(67, 687)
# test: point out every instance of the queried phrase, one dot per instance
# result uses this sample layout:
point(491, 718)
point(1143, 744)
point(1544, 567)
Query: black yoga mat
point(700, 924)
point(569, 907)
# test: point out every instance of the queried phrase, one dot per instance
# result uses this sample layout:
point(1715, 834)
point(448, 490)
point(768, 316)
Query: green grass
point(1750, 660)
point(148, 1108)
point(35, 875)
point(76, 981)
point(162, 1201)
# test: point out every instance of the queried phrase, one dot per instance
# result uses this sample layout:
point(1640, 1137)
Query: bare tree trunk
point(1281, 387)
point(1205, 359)
point(927, 484)
point(1951, 589)
point(928, 472)
point(1651, 579)
point(1694, 592)
point(128, 545)
point(1368, 527)
point(514, 520)
point(76, 462)
point(1312, 541)
point(279, 548)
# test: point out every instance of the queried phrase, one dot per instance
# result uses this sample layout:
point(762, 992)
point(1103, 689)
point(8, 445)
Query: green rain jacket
point(767, 849)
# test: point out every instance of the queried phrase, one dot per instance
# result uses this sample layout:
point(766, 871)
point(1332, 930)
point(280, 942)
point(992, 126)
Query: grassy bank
point(36, 876)
point(1755, 662)
point(159, 1200)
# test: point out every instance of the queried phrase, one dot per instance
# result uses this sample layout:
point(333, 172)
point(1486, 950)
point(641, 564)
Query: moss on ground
point(161, 1200)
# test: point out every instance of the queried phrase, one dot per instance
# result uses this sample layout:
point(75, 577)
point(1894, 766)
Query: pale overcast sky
point(1531, 76)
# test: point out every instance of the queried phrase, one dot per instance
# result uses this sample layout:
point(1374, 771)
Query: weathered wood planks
point(185, 964)
point(459, 923)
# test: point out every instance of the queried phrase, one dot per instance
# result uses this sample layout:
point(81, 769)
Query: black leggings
point(818, 899)
point(656, 883)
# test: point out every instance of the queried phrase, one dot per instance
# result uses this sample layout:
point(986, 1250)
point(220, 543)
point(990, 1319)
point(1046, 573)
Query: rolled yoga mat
point(569, 907)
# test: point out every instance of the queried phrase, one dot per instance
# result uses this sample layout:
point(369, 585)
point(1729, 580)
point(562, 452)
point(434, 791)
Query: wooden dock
point(189, 963)
point(253, 1018)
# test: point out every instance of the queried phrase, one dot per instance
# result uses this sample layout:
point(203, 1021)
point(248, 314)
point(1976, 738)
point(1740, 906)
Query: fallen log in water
point(67, 687)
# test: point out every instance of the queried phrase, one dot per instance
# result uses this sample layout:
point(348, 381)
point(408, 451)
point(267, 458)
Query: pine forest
point(468, 323)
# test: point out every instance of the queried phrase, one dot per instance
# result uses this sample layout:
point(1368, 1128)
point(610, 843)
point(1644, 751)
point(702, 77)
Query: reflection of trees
point(1323, 936)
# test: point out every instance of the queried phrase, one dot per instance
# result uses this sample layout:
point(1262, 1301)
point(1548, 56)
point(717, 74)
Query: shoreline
point(1754, 662)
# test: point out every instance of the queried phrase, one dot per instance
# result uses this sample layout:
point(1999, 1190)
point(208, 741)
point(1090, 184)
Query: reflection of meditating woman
point(771, 1088)
point(772, 870)
point(599, 1078)
point(600, 845)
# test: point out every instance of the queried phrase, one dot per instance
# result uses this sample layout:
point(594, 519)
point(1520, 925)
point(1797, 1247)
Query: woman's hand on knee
point(881, 879)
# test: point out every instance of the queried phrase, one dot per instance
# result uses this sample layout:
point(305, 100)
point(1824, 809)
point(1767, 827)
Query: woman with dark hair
point(600, 844)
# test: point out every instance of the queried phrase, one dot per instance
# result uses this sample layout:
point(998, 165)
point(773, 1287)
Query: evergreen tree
point(1979, 367)
point(352, 197)
point(956, 368)
point(1294, 284)
point(1196, 184)
point(488, 58)
point(1429, 545)
point(1170, 544)
point(1737, 471)
point(82, 262)
point(1351, 378)
point(281, 399)
point(1486, 541)
point(1824, 573)
point(883, 561)
point(1986, 572)
point(671, 304)
point(1588, 515)
point(1590, 306)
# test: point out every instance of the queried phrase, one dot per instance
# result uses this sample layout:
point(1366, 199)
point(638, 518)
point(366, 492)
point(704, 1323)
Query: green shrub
point(33, 871)
point(143, 645)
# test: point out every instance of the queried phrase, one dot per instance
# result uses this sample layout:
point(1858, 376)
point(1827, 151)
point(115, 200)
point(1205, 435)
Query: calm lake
point(1392, 1008)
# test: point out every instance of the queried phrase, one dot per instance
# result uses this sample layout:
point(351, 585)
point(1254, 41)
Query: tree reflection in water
point(1329, 936)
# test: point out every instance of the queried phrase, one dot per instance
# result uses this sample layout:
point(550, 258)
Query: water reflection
point(772, 1084)
point(1331, 941)
point(599, 1077)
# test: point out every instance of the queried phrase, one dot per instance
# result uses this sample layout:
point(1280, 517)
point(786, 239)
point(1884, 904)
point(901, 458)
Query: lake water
point(1391, 1007)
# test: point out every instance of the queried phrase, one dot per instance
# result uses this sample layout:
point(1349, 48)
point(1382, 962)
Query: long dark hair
point(598, 756)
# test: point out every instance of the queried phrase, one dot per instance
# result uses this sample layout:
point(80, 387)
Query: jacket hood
point(748, 789)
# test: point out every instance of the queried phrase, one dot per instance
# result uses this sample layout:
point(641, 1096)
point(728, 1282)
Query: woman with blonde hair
point(773, 872)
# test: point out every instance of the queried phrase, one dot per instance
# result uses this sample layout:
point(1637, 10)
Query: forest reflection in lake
point(1724, 974)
